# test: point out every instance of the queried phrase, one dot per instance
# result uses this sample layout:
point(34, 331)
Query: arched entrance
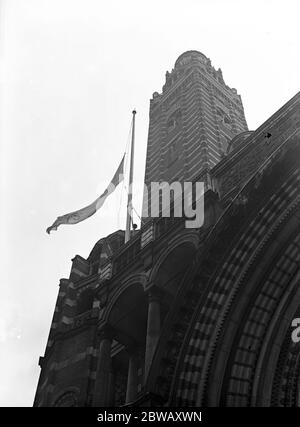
point(120, 373)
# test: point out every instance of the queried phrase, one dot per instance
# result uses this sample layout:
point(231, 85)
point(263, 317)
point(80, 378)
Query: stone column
point(153, 327)
point(102, 392)
point(132, 379)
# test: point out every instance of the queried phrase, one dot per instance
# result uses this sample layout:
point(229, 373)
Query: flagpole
point(129, 200)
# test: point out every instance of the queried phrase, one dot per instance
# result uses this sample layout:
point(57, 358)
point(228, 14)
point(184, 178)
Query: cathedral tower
point(191, 121)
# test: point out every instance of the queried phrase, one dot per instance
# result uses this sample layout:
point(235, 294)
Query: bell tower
point(191, 121)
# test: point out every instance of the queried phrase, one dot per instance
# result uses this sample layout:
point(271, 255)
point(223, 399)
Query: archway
point(128, 320)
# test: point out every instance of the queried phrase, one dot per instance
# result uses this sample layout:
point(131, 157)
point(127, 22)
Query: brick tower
point(191, 121)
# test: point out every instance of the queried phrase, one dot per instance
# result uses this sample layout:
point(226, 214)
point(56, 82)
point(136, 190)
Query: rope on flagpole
point(133, 208)
point(125, 168)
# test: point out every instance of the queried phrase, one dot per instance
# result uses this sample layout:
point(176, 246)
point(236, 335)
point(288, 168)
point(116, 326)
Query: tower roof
point(189, 54)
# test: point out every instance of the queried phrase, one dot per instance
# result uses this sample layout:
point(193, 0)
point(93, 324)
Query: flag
point(84, 213)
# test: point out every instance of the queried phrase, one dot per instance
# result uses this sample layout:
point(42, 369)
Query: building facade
point(192, 317)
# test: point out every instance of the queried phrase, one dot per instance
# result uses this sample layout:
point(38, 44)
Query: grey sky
point(71, 73)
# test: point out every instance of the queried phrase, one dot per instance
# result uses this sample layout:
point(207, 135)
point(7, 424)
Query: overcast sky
point(71, 73)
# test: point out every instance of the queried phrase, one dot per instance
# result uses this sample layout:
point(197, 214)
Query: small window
point(227, 120)
point(172, 154)
point(222, 117)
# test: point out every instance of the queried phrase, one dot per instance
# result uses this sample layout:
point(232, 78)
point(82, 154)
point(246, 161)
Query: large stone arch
point(128, 315)
point(243, 340)
point(122, 335)
point(174, 374)
point(200, 343)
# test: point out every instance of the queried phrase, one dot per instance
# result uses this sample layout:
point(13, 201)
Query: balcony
point(130, 252)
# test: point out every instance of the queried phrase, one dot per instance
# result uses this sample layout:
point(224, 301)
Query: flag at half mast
point(84, 213)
